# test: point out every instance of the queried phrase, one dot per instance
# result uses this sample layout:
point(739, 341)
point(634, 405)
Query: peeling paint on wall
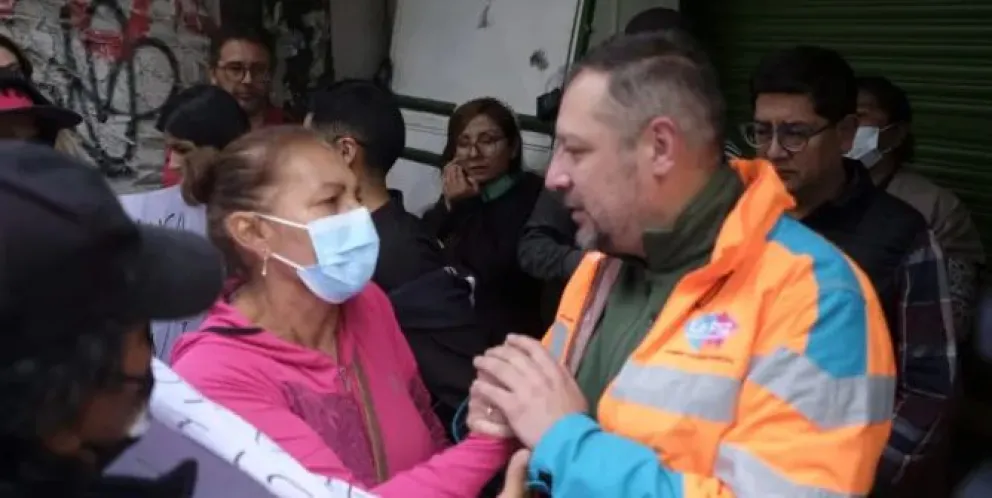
point(115, 62)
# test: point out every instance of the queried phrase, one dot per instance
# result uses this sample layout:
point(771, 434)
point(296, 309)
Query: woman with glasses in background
point(486, 199)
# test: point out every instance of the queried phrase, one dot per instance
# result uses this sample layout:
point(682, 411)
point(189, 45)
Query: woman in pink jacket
point(304, 347)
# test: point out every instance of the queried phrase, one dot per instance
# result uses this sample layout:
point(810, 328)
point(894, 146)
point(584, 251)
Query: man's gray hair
point(659, 74)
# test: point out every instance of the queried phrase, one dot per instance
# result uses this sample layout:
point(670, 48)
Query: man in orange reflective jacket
point(713, 347)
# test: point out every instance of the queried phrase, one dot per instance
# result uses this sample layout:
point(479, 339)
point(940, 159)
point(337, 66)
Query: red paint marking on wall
point(7, 9)
point(109, 43)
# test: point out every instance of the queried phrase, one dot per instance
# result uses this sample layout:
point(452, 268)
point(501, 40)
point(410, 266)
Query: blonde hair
point(68, 142)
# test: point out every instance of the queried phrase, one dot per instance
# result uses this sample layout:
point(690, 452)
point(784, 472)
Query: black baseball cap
point(68, 249)
point(20, 96)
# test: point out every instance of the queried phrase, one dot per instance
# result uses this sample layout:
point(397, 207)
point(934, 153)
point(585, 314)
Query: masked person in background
point(79, 282)
point(884, 144)
point(805, 105)
point(198, 123)
point(302, 345)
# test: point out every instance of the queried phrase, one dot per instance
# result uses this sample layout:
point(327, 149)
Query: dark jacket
point(481, 237)
point(874, 229)
point(547, 249)
point(433, 306)
point(52, 479)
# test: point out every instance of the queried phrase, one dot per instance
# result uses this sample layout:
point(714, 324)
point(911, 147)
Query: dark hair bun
point(210, 117)
point(199, 175)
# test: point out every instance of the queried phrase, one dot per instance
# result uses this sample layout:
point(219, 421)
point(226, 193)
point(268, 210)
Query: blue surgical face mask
point(347, 248)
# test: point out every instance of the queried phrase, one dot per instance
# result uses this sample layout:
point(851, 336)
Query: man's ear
point(659, 139)
point(350, 150)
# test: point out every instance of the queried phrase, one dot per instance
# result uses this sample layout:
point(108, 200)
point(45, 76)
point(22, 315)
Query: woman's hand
point(515, 484)
point(456, 184)
point(486, 419)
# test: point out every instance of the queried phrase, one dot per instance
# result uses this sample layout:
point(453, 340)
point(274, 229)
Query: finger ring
point(489, 412)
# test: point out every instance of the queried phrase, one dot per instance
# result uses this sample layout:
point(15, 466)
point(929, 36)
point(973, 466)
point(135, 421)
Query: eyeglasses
point(793, 137)
point(485, 142)
point(144, 383)
point(237, 71)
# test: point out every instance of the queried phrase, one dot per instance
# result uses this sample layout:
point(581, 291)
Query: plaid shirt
point(926, 359)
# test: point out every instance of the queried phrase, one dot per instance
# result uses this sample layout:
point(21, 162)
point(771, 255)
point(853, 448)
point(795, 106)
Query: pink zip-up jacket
point(313, 408)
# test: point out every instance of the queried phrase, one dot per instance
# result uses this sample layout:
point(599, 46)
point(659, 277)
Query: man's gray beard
point(588, 239)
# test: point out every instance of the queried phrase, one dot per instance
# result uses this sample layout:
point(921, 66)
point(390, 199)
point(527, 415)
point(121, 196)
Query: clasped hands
point(521, 391)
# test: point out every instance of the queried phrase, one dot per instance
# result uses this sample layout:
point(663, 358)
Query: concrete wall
point(77, 49)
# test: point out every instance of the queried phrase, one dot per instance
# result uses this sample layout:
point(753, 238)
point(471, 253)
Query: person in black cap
point(79, 283)
point(198, 123)
point(25, 114)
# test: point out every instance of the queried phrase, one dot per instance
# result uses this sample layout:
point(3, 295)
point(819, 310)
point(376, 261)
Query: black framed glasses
point(238, 70)
point(144, 383)
point(485, 142)
point(793, 137)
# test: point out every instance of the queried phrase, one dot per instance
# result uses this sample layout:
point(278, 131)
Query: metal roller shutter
point(939, 51)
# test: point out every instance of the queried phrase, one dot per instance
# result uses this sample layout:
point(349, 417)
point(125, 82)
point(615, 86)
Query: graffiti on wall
point(302, 38)
point(115, 62)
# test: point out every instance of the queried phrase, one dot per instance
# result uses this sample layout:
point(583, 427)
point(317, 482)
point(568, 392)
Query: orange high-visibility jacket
point(769, 372)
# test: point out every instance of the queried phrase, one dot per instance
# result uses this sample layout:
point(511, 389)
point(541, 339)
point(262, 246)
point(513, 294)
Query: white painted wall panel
point(457, 50)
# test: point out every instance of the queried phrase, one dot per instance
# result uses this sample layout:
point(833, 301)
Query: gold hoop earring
point(265, 265)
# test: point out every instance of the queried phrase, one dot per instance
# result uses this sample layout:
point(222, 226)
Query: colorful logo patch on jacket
point(709, 330)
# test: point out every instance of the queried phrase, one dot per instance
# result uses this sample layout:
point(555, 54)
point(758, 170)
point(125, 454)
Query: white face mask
point(865, 147)
point(141, 424)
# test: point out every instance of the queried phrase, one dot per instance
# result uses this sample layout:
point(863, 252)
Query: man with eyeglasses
point(805, 104)
point(241, 63)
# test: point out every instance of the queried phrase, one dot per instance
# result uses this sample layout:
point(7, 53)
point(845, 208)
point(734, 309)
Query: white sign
point(166, 208)
point(233, 457)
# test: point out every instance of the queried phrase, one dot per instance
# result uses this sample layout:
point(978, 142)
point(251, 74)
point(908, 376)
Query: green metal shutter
point(939, 51)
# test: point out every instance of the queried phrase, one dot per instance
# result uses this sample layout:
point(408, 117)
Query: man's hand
point(484, 418)
point(515, 484)
point(525, 383)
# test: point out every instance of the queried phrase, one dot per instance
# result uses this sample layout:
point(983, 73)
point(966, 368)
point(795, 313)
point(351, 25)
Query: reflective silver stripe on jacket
point(793, 378)
point(559, 336)
point(749, 477)
point(824, 400)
